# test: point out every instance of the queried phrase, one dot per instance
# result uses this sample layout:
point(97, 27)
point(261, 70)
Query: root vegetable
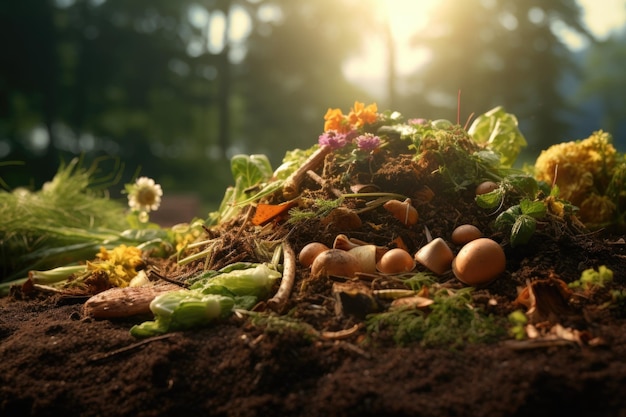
point(124, 302)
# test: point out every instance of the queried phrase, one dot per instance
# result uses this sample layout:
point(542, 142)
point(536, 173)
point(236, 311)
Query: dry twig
point(291, 187)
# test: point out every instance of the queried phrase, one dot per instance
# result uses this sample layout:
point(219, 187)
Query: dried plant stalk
point(124, 302)
point(291, 187)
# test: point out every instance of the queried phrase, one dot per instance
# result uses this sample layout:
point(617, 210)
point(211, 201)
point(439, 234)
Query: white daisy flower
point(144, 195)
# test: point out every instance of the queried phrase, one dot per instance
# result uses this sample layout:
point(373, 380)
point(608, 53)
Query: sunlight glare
point(405, 18)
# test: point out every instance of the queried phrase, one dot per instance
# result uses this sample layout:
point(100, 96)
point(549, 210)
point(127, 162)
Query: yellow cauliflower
point(583, 170)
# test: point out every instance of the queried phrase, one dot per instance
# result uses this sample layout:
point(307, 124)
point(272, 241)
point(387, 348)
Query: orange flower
point(335, 120)
point(361, 115)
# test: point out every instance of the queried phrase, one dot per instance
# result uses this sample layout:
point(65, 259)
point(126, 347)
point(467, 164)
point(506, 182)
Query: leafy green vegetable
point(254, 281)
point(183, 310)
point(499, 130)
point(211, 295)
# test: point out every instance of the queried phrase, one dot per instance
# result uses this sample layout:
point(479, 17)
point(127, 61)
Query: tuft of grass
point(66, 220)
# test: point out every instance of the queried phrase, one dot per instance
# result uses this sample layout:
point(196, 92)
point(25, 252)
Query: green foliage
point(253, 180)
point(520, 220)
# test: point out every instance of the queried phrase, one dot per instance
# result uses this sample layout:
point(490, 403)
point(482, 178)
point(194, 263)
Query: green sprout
point(518, 321)
point(591, 279)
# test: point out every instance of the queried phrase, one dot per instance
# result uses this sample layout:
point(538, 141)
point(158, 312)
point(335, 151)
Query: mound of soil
point(326, 362)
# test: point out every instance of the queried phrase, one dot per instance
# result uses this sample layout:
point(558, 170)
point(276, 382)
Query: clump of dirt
point(317, 359)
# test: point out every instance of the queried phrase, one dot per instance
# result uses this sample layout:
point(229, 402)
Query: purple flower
point(333, 139)
point(367, 142)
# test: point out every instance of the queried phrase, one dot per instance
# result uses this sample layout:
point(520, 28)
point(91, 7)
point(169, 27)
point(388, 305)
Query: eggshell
point(479, 262)
point(436, 255)
point(465, 234)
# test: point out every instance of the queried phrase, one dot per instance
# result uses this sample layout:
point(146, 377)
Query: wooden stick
point(278, 301)
point(291, 187)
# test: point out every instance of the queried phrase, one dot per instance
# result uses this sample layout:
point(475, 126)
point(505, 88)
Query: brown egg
point(486, 187)
point(396, 261)
point(479, 262)
point(310, 251)
point(465, 233)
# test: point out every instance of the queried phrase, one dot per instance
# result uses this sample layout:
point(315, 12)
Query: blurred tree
point(166, 86)
point(497, 52)
point(603, 83)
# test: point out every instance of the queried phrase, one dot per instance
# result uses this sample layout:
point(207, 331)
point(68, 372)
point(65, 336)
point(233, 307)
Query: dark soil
point(55, 361)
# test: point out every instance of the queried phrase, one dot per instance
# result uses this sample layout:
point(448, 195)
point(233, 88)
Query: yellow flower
point(120, 264)
point(144, 195)
point(581, 167)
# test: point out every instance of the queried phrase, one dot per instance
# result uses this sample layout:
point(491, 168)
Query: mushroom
point(310, 251)
point(395, 261)
point(403, 211)
point(479, 262)
point(465, 233)
point(436, 255)
point(335, 262)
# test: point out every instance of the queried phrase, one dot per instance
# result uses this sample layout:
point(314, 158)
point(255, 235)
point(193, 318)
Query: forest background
point(173, 89)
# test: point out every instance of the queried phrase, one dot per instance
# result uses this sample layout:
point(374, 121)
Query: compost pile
point(542, 334)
